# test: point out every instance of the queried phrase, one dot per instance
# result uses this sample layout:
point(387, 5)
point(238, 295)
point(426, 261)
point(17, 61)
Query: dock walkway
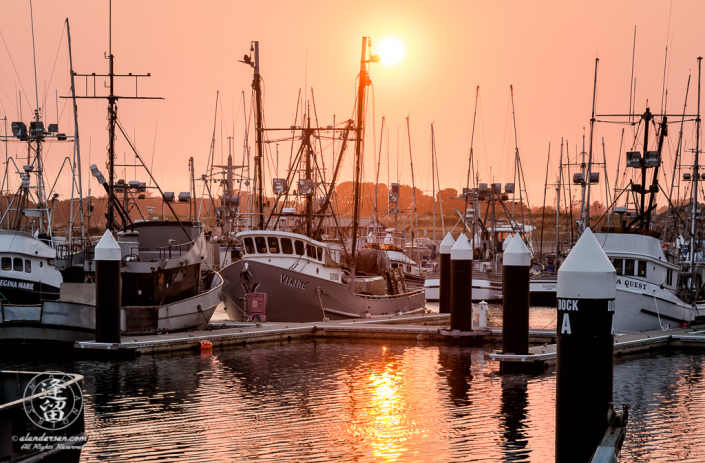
point(421, 327)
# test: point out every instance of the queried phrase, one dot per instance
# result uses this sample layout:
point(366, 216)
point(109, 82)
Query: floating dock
point(426, 328)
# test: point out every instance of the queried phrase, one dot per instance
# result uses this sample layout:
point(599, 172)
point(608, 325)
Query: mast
point(676, 163)
point(37, 133)
point(112, 116)
point(695, 183)
point(586, 221)
point(76, 144)
point(413, 190)
point(518, 171)
point(433, 184)
point(379, 165)
point(309, 197)
point(363, 82)
point(438, 181)
point(259, 132)
point(558, 208)
point(543, 212)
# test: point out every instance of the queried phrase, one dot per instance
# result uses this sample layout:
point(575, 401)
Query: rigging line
point(15, 68)
point(484, 139)
point(34, 56)
point(51, 77)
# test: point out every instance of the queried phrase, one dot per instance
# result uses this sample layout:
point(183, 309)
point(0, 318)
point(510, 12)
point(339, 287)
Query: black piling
point(444, 286)
point(515, 298)
point(461, 285)
point(585, 338)
point(107, 290)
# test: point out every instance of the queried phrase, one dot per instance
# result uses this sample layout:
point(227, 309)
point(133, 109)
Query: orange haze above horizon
point(546, 50)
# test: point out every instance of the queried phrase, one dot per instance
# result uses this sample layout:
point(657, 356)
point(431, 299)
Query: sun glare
point(391, 51)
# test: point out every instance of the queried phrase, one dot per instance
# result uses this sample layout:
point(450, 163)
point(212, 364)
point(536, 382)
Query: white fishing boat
point(304, 280)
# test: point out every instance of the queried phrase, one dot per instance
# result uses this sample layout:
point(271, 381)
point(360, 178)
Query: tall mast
point(413, 191)
point(517, 168)
point(587, 179)
point(379, 165)
point(38, 133)
point(696, 173)
point(309, 197)
point(256, 85)
point(76, 145)
point(433, 183)
point(363, 78)
point(558, 207)
point(363, 82)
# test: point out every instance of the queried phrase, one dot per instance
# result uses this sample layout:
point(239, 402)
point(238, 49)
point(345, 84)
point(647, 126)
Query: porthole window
point(41, 263)
point(28, 266)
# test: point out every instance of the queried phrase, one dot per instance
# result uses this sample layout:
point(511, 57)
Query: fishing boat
point(164, 286)
point(659, 286)
point(297, 275)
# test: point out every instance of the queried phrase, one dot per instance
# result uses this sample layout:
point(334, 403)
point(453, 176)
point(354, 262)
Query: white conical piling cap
point(107, 248)
point(509, 239)
point(517, 254)
point(447, 244)
point(587, 272)
point(461, 249)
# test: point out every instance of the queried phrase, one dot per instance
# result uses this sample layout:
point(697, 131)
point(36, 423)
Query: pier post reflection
point(514, 401)
point(456, 364)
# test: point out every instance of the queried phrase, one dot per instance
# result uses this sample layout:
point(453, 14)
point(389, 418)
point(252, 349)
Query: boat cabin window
point(299, 247)
point(6, 263)
point(260, 245)
point(642, 268)
point(320, 253)
point(273, 243)
point(311, 251)
point(669, 277)
point(249, 246)
point(618, 264)
point(17, 264)
point(287, 247)
point(28, 266)
point(629, 267)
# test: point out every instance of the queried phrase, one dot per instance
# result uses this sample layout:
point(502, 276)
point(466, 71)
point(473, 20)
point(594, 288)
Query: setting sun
point(391, 51)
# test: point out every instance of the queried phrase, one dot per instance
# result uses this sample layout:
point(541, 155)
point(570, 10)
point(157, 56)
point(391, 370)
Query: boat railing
point(68, 250)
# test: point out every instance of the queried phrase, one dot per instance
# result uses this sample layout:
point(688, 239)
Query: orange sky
point(545, 49)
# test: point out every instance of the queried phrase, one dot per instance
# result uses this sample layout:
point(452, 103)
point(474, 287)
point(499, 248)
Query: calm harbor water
point(366, 401)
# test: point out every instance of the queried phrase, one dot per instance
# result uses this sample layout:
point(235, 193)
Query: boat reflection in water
point(349, 401)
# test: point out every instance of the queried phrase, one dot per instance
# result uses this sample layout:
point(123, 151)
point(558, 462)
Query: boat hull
point(643, 306)
point(295, 297)
point(483, 289)
point(58, 322)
